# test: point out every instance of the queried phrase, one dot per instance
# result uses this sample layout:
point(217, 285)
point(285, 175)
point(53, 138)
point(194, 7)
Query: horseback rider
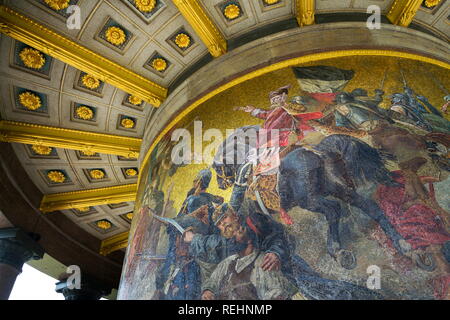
point(286, 124)
point(403, 111)
point(289, 118)
point(413, 108)
point(408, 151)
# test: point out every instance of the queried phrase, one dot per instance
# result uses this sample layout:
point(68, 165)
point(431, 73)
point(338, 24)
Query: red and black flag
point(322, 82)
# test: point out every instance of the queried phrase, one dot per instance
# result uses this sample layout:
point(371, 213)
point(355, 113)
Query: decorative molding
point(34, 134)
point(114, 243)
point(88, 198)
point(53, 44)
point(402, 12)
point(305, 11)
point(205, 28)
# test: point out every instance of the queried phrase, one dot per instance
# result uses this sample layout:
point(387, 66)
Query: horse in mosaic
point(320, 178)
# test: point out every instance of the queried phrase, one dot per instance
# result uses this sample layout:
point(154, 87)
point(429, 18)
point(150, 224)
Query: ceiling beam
point(402, 12)
point(34, 134)
point(203, 25)
point(305, 12)
point(88, 198)
point(114, 243)
point(34, 34)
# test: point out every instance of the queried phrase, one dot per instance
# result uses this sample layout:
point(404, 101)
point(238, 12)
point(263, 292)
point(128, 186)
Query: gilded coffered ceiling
point(152, 41)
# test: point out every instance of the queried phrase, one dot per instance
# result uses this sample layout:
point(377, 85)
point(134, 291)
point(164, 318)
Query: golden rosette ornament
point(97, 174)
point(182, 40)
point(134, 100)
point(145, 5)
point(130, 216)
point(88, 152)
point(115, 36)
point(270, 2)
point(32, 58)
point(127, 123)
point(159, 64)
point(131, 172)
point(232, 11)
point(30, 101)
point(42, 150)
point(84, 113)
point(103, 224)
point(57, 4)
point(90, 82)
point(56, 176)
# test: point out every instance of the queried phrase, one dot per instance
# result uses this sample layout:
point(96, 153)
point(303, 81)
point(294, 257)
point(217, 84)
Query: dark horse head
point(232, 153)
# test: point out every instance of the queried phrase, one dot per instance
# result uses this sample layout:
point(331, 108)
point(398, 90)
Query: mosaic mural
point(354, 206)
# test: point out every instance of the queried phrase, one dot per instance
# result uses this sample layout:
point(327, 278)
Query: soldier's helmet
point(343, 98)
point(204, 176)
point(359, 92)
point(398, 98)
point(221, 212)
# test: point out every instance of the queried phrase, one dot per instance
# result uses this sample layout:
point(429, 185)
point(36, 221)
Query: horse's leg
point(286, 198)
point(371, 208)
point(331, 210)
point(304, 187)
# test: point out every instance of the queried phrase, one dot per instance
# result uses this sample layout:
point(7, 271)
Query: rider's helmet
point(204, 178)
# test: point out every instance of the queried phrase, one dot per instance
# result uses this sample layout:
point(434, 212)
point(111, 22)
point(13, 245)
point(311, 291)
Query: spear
point(405, 84)
point(166, 202)
point(383, 80)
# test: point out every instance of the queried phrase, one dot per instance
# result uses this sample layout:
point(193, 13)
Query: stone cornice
point(87, 198)
point(402, 12)
point(205, 28)
point(34, 134)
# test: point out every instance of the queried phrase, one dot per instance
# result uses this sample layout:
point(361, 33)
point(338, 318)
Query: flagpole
point(405, 83)
point(383, 80)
